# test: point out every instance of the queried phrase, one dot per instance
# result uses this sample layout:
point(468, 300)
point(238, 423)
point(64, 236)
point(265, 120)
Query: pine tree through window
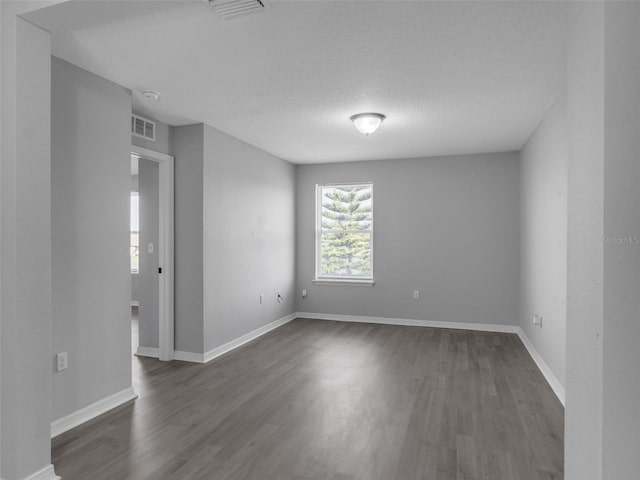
point(344, 243)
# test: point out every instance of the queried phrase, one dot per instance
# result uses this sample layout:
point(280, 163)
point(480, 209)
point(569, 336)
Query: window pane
point(346, 207)
point(134, 216)
point(134, 242)
point(346, 254)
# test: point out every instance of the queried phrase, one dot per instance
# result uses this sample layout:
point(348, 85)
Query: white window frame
point(340, 280)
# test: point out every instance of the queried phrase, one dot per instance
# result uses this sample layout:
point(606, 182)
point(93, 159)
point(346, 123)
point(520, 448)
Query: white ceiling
point(451, 77)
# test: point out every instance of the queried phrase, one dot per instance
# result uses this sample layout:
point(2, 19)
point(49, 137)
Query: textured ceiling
point(451, 77)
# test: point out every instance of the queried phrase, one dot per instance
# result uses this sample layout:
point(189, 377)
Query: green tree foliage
point(346, 230)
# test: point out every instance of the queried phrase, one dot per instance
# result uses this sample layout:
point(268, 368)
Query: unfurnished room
point(320, 240)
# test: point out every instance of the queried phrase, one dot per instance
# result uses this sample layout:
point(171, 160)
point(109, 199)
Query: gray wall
point(147, 280)
point(603, 332)
point(621, 334)
point(90, 236)
point(235, 238)
point(249, 237)
point(543, 251)
point(448, 227)
point(25, 284)
point(188, 143)
point(585, 75)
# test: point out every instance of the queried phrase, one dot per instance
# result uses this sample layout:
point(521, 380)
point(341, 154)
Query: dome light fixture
point(367, 123)
point(150, 94)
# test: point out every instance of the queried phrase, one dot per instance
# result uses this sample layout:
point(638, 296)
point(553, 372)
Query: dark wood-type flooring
point(332, 401)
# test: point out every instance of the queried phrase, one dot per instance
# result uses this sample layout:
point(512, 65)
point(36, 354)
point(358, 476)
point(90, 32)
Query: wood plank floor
point(333, 401)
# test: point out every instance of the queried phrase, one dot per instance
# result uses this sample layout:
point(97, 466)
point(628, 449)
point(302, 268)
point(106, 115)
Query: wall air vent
point(143, 128)
point(235, 8)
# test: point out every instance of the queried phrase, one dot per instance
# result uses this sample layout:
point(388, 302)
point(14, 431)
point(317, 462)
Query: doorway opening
point(152, 253)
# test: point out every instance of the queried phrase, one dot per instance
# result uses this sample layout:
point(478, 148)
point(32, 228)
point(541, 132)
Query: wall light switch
point(416, 294)
point(304, 294)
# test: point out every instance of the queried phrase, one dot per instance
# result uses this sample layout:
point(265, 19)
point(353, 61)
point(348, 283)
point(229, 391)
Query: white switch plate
point(261, 298)
point(304, 294)
point(62, 361)
point(416, 294)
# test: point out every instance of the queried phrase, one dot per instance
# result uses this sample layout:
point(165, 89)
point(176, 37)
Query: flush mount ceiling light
point(367, 122)
point(151, 94)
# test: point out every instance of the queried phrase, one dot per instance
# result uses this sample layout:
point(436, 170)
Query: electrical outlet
point(62, 361)
point(416, 294)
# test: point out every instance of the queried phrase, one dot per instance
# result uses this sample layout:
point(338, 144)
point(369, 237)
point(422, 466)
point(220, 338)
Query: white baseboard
point(47, 473)
point(258, 332)
point(552, 380)
point(233, 344)
point(148, 352)
point(188, 356)
point(408, 322)
point(91, 411)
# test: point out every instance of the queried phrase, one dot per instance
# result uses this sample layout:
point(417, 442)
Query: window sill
point(344, 281)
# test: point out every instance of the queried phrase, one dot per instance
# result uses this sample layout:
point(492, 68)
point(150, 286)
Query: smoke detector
point(150, 94)
point(235, 8)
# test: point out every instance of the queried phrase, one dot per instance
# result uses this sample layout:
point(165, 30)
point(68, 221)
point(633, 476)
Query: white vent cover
point(141, 127)
point(234, 8)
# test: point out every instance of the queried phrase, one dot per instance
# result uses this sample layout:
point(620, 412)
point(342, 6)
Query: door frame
point(166, 328)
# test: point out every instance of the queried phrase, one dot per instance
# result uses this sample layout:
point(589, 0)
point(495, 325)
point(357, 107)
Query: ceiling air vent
point(235, 8)
point(141, 127)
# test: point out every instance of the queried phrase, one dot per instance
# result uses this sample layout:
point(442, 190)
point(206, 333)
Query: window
point(134, 231)
point(344, 233)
